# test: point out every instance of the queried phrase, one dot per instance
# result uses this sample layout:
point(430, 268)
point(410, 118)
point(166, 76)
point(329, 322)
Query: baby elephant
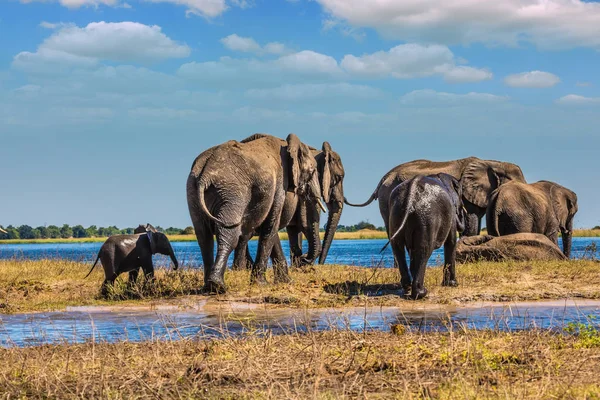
point(127, 253)
point(426, 212)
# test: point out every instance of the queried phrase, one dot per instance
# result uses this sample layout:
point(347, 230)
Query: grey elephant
point(479, 178)
point(518, 246)
point(541, 207)
point(307, 216)
point(236, 189)
point(129, 253)
point(426, 212)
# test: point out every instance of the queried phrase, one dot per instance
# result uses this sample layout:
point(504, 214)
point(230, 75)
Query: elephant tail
point(201, 188)
point(371, 199)
point(408, 208)
point(93, 266)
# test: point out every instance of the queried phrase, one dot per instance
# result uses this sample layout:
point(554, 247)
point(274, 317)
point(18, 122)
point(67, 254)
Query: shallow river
point(347, 252)
point(203, 320)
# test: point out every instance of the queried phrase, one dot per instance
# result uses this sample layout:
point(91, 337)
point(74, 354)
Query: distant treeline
point(78, 231)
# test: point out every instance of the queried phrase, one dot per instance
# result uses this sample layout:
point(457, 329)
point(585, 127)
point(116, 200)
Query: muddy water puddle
point(204, 320)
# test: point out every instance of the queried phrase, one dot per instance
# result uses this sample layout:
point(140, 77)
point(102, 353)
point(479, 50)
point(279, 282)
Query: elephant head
point(331, 174)
point(478, 180)
point(159, 243)
point(144, 228)
point(564, 203)
point(304, 181)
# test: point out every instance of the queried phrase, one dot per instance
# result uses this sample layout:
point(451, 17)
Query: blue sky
point(104, 104)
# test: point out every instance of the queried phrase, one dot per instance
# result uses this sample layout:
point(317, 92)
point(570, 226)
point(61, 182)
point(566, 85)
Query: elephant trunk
point(567, 239)
point(312, 234)
point(333, 219)
point(173, 258)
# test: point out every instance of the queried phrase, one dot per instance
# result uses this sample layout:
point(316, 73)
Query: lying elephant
point(518, 246)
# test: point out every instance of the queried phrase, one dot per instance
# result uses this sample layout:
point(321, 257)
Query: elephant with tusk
point(2, 230)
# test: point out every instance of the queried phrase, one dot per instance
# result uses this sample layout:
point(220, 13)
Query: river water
point(346, 252)
point(205, 321)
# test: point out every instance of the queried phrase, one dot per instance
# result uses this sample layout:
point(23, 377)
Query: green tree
point(66, 232)
point(189, 230)
point(36, 233)
point(79, 232)
point(53, 232)
point(25, 232)
point(43, 232)
point(92, 231)
point(173, 231)
point(13, 233)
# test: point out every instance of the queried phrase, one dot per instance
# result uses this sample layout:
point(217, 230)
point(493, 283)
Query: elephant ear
point(478, 181)
point(326, 175)
point(293, 149)
point(152, 240)
point(564, 203)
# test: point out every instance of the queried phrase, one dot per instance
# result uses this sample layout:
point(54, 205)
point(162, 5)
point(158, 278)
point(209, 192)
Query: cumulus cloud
point(413, 61)
point(205, 8)
point(312, 91)
point(247, 73)
point(85, 47)
point(574, 99)
point(248, 45)
point(549, 24)
point(533, 79)
point(432, 98)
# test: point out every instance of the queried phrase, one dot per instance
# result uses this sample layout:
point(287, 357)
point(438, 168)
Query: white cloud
point(77, 3)
point(249, 45)
point(432, 98)
point(574, 99)
point(413, 61)
point(85, 47)
point(312, 91)
point(252, 73)
point(204, 8)
point(533, 79)
point(545, 23)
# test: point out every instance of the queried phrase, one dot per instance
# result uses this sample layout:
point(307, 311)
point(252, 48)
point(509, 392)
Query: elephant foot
point(418, 294)
point(214, 286)
point(259, 280)
point(450, 283)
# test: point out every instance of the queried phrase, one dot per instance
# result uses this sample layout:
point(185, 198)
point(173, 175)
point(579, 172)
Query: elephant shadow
point(354, 288)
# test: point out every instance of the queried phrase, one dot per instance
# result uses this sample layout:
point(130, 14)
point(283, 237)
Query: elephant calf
point(127, 253)
point(426, 212)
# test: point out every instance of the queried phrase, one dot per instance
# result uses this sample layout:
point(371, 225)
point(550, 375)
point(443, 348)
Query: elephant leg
point(450, 261)
point(280, 267)
point(108, 283)
point(227, 240)
point(418, 265)
point(472, 225)
point(205, 238)
point(148, 268)
point(242, 258)
point(268, 234)
point(295, 239)
point(133, 276)
point(400, 260)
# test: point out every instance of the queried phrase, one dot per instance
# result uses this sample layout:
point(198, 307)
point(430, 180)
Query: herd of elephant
point(262, 184)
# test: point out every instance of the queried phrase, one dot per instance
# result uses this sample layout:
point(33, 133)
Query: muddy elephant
point(237, 189)
point(306, 217)
point(541, 207)
point(516, 247)
point(426, 212)
point(478, 179)
point(129, 253)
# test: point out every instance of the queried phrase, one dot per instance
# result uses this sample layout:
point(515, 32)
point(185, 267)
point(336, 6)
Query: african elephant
point(306, 216)
point(239, 188)
point(425, 213)
point(478, 179)
point(144, 228)
point(127, 253)
point(541, 207)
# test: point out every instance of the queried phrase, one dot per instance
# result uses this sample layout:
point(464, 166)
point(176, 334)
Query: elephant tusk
point(464, 209)
point(321, 206)
point(2, 231)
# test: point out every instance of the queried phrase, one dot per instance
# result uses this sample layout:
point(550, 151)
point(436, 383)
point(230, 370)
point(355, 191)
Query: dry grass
point(53, 285)
point(329, 365)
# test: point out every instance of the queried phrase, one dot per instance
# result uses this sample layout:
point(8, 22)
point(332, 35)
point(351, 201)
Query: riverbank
point(461, 364)
point(359, 235)
point(47, 285)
